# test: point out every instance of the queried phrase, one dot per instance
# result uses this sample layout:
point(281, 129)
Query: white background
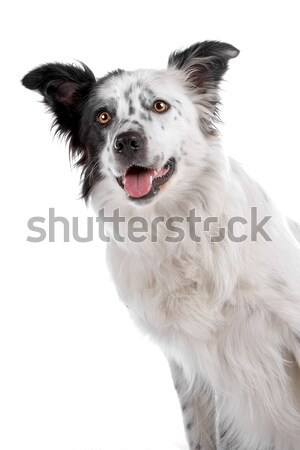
point(75, 374)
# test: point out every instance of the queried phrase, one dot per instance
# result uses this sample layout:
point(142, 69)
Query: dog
point(225, 311)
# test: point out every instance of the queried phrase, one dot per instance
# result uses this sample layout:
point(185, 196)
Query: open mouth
point(145, 182)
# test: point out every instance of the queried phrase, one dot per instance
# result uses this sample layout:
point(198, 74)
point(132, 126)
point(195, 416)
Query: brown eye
point(160, 106)
point(104, 117)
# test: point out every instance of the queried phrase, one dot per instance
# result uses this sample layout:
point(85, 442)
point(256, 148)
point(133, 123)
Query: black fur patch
point(68, 92)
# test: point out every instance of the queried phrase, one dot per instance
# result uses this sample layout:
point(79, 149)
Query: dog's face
point(134, 132)
point(144, 119)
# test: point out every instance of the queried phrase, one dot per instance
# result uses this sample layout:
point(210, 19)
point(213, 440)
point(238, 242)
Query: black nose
point(128, 143)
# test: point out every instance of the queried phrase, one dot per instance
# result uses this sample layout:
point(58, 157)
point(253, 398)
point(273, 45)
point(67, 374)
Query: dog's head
point(135, 133)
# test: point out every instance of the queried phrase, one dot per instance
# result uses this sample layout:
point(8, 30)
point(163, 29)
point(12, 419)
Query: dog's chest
point(167, 299)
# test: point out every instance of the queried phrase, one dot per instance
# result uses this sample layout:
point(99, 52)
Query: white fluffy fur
point(227, 315)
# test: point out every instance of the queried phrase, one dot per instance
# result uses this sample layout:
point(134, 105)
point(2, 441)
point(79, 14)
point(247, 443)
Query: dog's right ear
point(204, 63)
point(64, 88)
point(203, 66)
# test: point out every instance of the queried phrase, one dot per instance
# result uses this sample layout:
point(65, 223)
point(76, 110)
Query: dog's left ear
point(204, 63)
point(64, 87)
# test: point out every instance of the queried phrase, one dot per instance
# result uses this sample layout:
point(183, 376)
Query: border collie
point(226, 312)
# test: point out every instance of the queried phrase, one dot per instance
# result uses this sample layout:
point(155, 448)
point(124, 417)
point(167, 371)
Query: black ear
point(204, 63)
point(64, 88)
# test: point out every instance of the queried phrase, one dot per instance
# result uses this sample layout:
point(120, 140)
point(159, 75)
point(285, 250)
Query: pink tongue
point(138, 184)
